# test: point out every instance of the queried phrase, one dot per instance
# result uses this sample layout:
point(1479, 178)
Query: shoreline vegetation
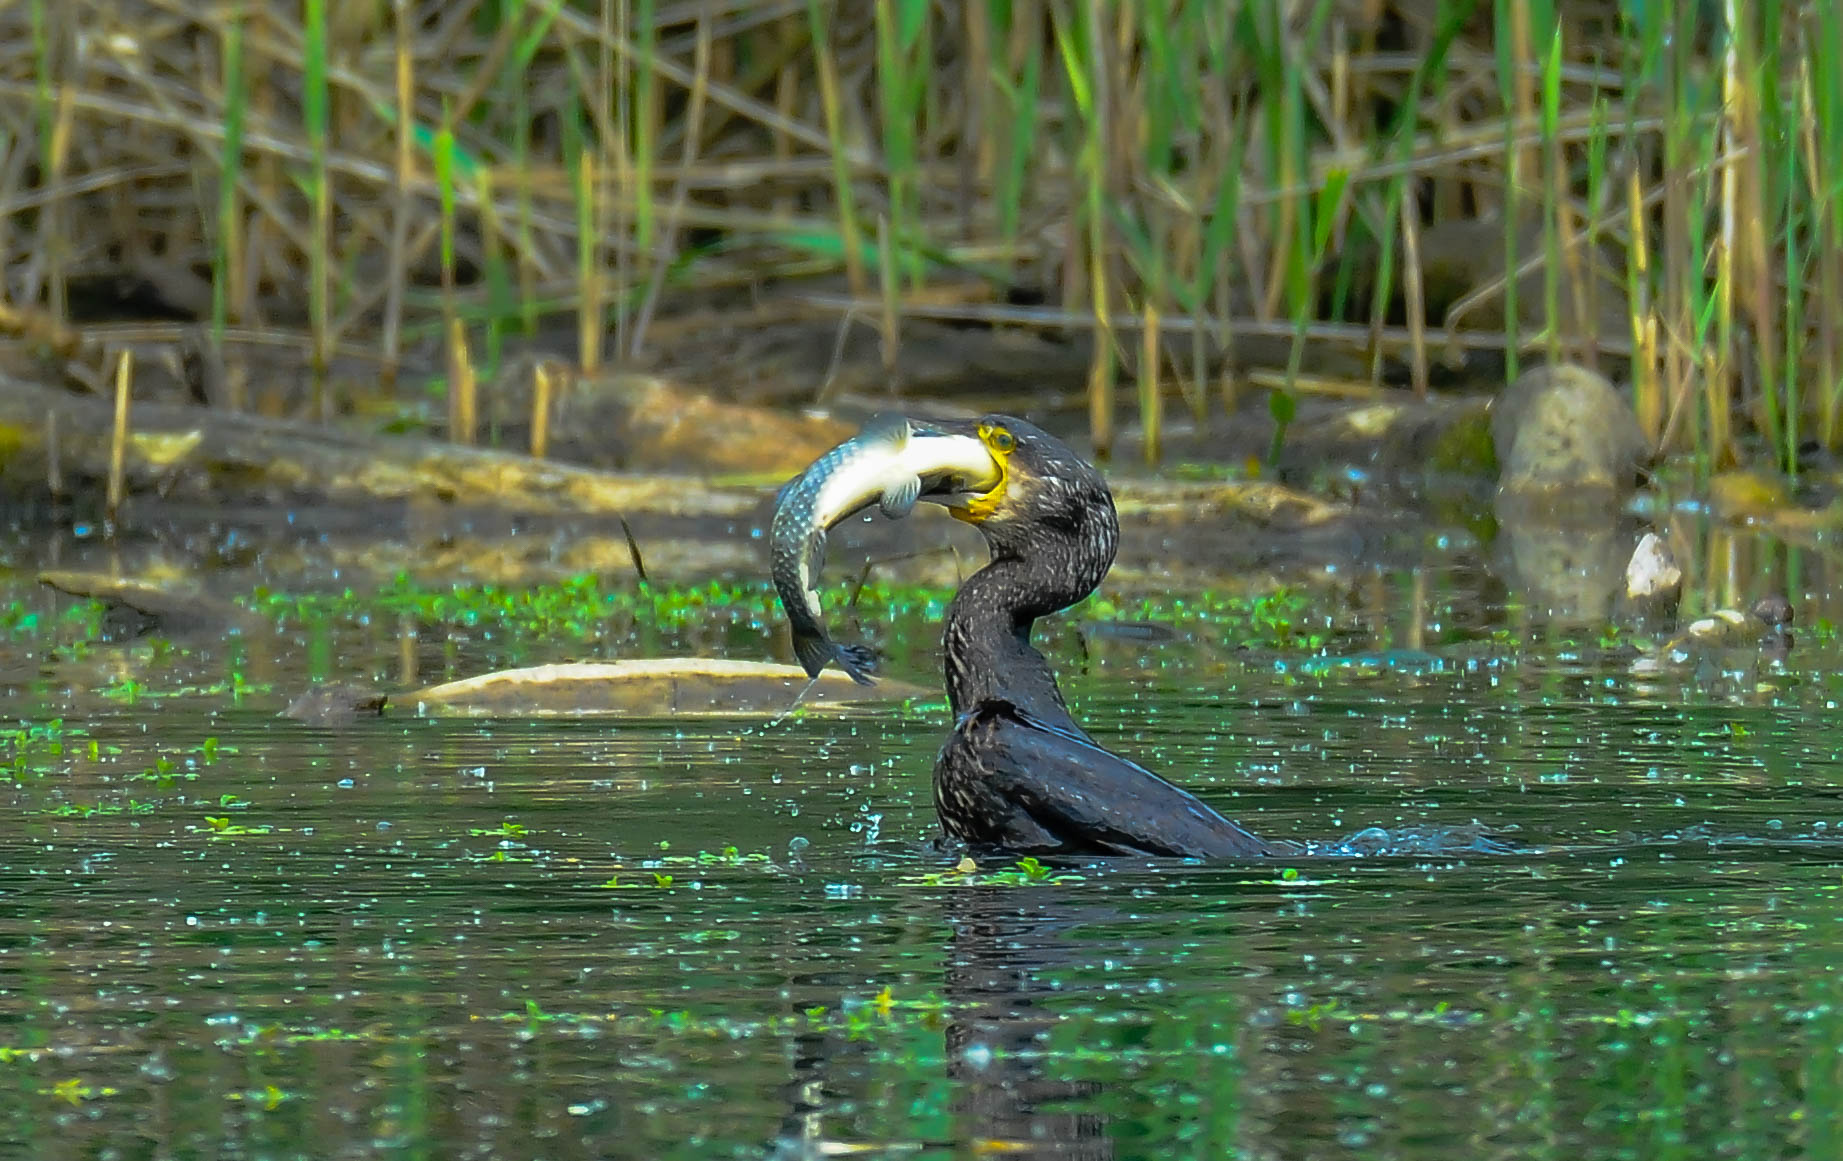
point(1208, 202)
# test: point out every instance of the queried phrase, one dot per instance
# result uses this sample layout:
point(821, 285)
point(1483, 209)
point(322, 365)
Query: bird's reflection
point(1003, 948)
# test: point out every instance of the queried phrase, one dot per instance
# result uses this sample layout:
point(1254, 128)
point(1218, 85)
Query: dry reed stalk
point(1151, 398)
point(1646, 388)
point(1523, 160)
point(268, 231)
point(1580, 275)
point(54, 463)
point(589, 287)
point(403, 173)
point(1414, 294)
point(1753, 271)
point(463, 386)
point(542, 390)
point(786, 100)
point(57, 209)
point(1319, 385)
point(118, 438)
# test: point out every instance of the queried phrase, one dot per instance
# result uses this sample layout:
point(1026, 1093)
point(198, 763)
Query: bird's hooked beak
point(965, 466)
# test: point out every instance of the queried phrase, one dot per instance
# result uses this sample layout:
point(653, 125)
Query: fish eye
point(1001, 440)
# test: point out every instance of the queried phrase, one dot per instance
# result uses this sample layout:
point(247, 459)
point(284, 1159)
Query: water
point(698, 939)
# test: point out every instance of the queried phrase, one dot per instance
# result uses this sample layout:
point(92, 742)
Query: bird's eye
point(1002, 440)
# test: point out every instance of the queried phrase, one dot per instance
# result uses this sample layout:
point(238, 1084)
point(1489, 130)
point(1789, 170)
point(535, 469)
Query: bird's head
point(1039, 502)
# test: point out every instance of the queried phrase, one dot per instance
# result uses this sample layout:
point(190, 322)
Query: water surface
point(223, 934)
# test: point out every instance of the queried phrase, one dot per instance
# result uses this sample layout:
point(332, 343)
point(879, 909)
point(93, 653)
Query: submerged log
point(171, 608)
point(1260, 502)
point(227, 457)
point(654, 687)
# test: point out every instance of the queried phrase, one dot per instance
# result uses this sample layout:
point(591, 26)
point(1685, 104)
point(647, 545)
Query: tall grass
point(1175, 177)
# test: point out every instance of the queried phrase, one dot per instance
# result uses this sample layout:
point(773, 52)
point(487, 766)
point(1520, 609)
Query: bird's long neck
point(987, 638)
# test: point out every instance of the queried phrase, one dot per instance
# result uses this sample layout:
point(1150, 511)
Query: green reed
point(1555, 195)
point(1512, 22)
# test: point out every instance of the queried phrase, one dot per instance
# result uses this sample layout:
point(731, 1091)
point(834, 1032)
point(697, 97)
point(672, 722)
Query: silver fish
point(892, 463)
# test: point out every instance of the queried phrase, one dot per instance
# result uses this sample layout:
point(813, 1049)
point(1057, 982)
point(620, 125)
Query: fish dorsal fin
point(898, 500)
point(887, 426)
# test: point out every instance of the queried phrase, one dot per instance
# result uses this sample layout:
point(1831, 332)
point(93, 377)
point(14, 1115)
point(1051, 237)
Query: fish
point(892, 462)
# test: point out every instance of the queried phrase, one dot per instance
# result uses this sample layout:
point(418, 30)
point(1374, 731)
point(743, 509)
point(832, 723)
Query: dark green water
point(401, 938)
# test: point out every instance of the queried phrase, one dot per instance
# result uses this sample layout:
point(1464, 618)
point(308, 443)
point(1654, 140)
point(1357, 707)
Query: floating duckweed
point(1028, 872)
point(587, 608)
point(506, 829)
point(36, 748)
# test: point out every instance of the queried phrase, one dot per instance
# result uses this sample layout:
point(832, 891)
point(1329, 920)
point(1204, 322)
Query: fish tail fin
point(860, 661)
point(816, 651)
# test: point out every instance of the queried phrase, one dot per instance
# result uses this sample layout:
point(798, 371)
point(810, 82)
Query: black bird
point(1018, 772)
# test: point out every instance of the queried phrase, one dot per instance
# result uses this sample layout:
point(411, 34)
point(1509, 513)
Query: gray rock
point(1564, 429)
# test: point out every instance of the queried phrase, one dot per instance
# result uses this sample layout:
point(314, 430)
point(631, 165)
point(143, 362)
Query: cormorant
point(1018, 772)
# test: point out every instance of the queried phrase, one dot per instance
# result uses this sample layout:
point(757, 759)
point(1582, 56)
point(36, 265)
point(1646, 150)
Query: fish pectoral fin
point(898, 500)
point(815, 559)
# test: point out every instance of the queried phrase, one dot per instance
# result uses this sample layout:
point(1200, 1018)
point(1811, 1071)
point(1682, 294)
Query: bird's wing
point(1091, 798)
